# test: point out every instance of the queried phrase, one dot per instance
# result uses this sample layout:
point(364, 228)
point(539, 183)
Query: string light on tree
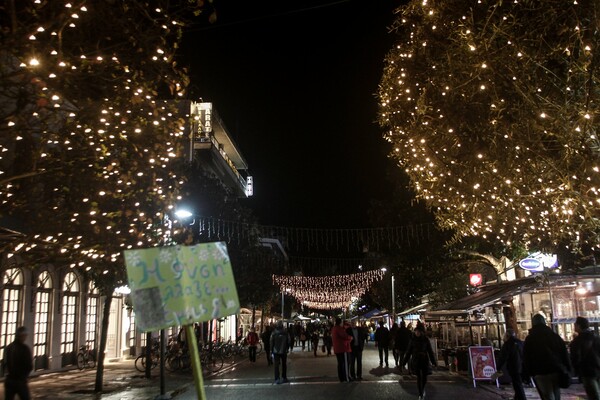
point(491, 112)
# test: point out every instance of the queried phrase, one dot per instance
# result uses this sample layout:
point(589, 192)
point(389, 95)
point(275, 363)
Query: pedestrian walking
point(291, 337)
point(420, 357)
point(511, 355)
point(585, 357)
point(359, 336)
point(303, 338)
point(382, 342)
point(327, 341)
point(252, 340)
point(266, 339)
point(315, 341)
point(279, 347)
point(392, 344)
point(545, 359)
point(401, 342)
point(18, 364)
point(341, 341)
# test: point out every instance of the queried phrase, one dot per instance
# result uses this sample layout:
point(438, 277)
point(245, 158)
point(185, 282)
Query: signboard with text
point(180, 285)
point(483, 363)
point(537, 262)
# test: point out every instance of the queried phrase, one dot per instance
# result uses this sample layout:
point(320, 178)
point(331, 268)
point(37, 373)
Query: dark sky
point(294, 82)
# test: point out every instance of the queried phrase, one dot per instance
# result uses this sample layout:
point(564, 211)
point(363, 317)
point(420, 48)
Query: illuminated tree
point(89, 145)
point(492, 110)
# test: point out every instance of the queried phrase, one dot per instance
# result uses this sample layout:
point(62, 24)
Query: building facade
point(62, 309)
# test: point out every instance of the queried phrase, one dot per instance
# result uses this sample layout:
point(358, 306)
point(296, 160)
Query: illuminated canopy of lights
point(121, 146)
point(327, 292)
point(492, 113)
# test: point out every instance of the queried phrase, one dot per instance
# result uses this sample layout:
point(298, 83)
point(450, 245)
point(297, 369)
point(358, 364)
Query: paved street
point(310, 377)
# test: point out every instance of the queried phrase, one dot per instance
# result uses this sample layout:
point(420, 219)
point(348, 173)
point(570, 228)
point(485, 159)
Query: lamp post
point(282, 303)
point(283, 291)
point(393, 301)
point(384, 269)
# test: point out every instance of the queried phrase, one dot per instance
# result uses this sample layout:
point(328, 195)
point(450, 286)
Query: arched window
point(41, 329)
point(68, 331)
point(91, 323)
point(12, 305)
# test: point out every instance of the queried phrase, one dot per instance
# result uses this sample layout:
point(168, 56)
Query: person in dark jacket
point(382, 341)
point(585, 357)
point(359, 336)
point(266, 338)
point(279, 348)
point(544, 358)
point(511, 355)
point(420, 354)
point(315, 340)
point(327, 340)
point(18, 364)
point(401, 342)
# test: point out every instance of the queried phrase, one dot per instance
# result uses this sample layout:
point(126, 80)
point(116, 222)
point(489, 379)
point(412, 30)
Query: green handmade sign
point(180, 285)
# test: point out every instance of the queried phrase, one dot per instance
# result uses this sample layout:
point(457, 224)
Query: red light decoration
point(475, 279)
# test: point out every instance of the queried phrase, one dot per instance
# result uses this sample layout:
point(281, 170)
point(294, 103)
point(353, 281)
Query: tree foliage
point(492, 110)
point(89, 141)
point(90, 147)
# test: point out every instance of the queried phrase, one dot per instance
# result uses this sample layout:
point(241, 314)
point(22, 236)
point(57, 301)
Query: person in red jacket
point(341, 346)
point(252, 340)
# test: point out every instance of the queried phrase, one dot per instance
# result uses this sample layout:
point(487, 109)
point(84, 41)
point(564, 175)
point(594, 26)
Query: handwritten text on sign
point(180, 285)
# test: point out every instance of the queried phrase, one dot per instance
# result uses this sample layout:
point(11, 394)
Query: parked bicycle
point(85, 358)
point(140, 361)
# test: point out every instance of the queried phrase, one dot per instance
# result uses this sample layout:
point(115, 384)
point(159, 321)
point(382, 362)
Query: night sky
point(294, 82)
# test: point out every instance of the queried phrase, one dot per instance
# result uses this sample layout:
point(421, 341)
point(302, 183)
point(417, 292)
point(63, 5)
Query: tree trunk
point(103, 340)
point(510, 316)
point(253, 316)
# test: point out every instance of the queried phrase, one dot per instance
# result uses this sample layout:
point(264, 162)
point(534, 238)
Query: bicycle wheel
point(80, 361)
point(140, 363)
point(91, 361)
point(214, 363)
point(186, 362)
point(259, 348)
point(173, 363)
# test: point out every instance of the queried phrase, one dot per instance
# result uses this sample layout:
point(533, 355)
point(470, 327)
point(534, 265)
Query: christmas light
point(496, 117)
point(328, 292)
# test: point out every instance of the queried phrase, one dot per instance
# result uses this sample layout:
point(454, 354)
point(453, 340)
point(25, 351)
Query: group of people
point(408, 348)
point(347, 342)
point(543, 357)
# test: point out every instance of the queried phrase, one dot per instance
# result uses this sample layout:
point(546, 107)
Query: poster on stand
point(181, 285)
point(483, 363)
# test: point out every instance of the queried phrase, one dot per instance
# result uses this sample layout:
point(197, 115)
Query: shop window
point(91, 323)
point(12, 304)
point(70, 303)
point(41, 329)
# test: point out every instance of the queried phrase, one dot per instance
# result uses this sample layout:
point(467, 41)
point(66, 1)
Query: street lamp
point(283, 301)
point(384, 269)
point(183, 213)
point(393, 300)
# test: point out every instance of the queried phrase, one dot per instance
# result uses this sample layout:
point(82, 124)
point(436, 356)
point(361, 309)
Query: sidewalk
point(575, 392)
point(121, 382)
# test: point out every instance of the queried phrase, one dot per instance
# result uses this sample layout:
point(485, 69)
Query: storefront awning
point(486, 296)
point(414, 310)
point(373, 313)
